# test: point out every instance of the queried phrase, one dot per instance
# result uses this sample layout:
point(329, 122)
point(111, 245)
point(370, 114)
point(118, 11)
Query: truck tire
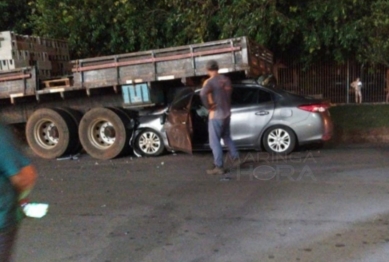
point(76, 116)
point(129, 122)
point(51, 133)
point(103, 133)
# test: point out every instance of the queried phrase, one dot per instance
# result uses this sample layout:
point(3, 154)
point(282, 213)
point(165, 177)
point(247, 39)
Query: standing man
point(357, 85)
point(216, 97)
point(17, 178)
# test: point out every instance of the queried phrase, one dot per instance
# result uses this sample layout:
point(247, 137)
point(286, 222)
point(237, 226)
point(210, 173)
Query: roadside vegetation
point(361, 117)
point(360, 123)
point(305, 30)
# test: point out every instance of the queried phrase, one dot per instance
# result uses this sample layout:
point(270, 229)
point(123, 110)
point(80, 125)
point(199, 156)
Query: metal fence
point(332, 81)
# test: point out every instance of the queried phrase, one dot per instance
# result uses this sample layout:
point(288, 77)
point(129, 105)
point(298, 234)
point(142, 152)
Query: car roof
point(249, 84)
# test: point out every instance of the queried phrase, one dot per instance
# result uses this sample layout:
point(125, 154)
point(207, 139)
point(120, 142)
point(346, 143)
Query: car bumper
point(317, 127)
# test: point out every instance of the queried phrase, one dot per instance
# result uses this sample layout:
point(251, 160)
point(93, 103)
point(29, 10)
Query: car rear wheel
point(149, 143)
point(279, 140)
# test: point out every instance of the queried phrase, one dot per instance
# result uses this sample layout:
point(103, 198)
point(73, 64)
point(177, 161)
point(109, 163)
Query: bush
point(356, 117)
point(360, 123)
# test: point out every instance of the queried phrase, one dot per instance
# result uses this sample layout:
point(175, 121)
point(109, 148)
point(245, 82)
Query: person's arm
point(206, 96)
point(24, 181)
point(15, 166)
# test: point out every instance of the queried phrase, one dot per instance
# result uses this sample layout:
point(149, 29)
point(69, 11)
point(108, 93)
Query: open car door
point(178, 123)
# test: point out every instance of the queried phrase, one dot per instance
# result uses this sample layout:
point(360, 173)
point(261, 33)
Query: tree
point(324, 29)
point(306, 31)
point(374, 41)
point(192, 21)
point(303, 29)
point(14, 16)
point(100, 27)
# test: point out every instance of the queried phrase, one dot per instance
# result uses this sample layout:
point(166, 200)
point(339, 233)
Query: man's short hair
point(212, 65)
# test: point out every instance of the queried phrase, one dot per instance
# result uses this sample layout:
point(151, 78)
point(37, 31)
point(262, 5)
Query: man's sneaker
point(216, 171)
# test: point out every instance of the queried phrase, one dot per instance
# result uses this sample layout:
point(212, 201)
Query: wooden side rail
point(15, 77)
point(77, 68)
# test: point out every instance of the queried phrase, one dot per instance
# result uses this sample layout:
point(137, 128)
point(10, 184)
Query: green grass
point(360, 117)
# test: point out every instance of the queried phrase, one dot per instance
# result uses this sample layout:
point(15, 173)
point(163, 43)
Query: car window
point(264, 96)
point(244, 96)
point(250, 96)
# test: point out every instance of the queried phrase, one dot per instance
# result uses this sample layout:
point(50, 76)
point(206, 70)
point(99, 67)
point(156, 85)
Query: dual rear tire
point(52, 133)
point(56, 132)
point(104, 133)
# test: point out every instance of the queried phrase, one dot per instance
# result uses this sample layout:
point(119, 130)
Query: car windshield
point(270, 82)
point(278, 90)
point(269, 85)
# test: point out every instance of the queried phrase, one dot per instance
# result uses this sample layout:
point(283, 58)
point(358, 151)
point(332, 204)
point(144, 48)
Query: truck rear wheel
point(103, 133)
point(51, 133)
point(76, 116)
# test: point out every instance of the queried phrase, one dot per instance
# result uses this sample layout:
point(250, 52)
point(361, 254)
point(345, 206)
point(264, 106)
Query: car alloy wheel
point(279, 140)
point(149, 143)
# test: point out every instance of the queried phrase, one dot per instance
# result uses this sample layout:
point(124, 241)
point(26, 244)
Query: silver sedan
point(262, 118)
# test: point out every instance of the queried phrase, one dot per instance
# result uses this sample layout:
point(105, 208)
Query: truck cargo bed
point(150, 67)
point(18, 83)
point(233, 55)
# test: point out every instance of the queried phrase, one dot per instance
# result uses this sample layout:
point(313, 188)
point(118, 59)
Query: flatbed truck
point(95, 108)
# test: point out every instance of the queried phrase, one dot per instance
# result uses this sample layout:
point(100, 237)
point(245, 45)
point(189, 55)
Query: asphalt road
point(327, 205)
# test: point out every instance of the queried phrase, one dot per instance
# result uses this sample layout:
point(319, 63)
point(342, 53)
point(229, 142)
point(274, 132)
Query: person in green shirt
point(17, 178)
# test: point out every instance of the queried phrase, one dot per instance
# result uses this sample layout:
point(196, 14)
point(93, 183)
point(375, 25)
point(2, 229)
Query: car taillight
point(314, 108)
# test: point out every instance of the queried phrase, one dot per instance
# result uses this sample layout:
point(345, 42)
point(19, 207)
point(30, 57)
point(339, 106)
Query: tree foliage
point(304, 30)
point(100, 27)
point(322, 28)
point(374, 47)
point(14, 16)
